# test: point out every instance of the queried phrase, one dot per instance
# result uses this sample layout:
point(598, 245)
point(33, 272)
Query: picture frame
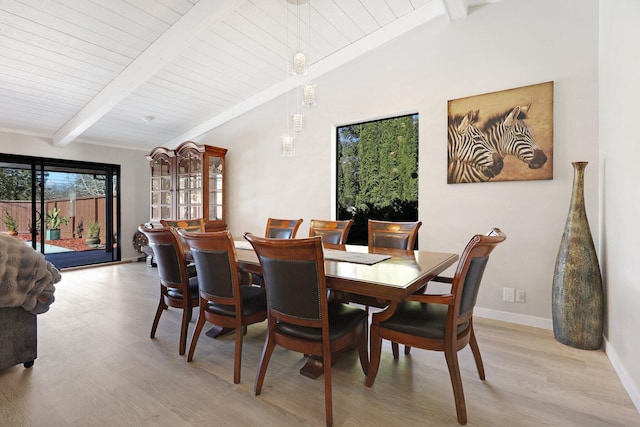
point(501, 136)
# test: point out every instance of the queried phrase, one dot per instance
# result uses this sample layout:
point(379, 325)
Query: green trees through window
point(15, 184)
point(377, 168)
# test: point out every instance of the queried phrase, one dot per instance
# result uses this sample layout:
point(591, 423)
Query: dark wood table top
point(392, 279)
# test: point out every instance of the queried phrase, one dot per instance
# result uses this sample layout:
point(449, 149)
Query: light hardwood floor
point(97, 366)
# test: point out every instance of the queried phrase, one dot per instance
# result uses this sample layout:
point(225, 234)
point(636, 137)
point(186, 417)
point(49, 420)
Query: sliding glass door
point(67, 210)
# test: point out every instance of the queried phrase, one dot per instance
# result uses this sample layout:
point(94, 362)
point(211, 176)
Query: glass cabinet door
point(161, 188)
point(215, 188)
point(189, 176)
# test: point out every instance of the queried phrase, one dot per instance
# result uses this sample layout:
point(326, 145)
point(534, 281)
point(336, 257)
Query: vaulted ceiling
point(144, 73)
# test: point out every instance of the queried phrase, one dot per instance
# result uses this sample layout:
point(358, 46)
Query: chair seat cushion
point(193, 289)
point(420, 319)
point(254, 300)
point(343, 318)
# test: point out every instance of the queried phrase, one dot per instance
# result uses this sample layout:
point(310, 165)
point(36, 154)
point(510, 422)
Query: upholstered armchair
point(18, 337)
point(26, 289)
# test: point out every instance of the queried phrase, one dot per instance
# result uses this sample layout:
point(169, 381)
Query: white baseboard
point(625, 379)
point(520, 319)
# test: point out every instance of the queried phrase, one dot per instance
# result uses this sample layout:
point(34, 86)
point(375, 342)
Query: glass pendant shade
point(288, 146)
point(297, 122)
point(299, 62)
point(309, 95)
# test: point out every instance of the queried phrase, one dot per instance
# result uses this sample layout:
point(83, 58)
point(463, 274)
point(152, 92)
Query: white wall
point(134, 170)
point(619, 151)
point(498, 46)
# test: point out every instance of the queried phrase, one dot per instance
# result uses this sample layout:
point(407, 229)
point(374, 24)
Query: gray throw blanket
point(26, 278)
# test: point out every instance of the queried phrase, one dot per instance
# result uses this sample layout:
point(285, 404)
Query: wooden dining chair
point(192, 225)
point(299, 316)
point(195, 225)
point(278, 229)
point(440, 322)
point(178, 288)
point(393, 234)
point(282, 228)
point(332, 232)
point(223, 300)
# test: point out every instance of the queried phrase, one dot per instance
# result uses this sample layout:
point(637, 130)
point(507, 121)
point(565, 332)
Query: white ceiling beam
point(408, 22)
point(173, 41)
point(456, 9)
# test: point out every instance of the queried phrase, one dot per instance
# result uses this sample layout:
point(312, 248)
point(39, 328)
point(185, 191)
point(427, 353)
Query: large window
point(377, 173)
point(67, 210)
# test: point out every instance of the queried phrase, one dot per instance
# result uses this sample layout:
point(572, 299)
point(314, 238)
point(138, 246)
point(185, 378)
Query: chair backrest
point(193, 225)
point(215, 258)
point(393, 234)
point(168, 255)
point(332, 232)
point(293, 272)
point(466, 281)
point(282, 228)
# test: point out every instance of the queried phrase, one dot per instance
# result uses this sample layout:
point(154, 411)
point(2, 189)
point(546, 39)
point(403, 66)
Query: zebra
point(511, 136)
point(471, 157)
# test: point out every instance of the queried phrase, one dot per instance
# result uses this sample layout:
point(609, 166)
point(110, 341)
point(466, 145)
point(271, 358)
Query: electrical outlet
point(508, 294)
point(521, 296)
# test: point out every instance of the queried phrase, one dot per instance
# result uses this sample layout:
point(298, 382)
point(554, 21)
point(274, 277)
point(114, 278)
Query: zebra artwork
point(511, 136)
point(471, 157)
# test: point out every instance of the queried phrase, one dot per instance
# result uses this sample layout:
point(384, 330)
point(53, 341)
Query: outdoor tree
point(377, 173)
point(15, 184)
point(89, 185)
point(378, 163)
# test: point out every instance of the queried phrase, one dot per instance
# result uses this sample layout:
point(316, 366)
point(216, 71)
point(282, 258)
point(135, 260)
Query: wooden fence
point(87, 209)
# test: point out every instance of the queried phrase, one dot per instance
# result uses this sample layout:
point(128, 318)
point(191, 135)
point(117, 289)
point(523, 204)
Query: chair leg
point(161, 307)
point(473, 343)
point(328, 401)
point(374, 355)
point(456, 382)
point(269, 345)
point(196, 335)
point(394, 350)
point(407, 349)
point(237, 358)
point(362, 349)
point(189, 312)
point(183, 329)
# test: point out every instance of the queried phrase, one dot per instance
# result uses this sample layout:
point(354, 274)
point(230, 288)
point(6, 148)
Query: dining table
point(381, 277)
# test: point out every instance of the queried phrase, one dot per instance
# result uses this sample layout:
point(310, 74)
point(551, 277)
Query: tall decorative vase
point(577, 297)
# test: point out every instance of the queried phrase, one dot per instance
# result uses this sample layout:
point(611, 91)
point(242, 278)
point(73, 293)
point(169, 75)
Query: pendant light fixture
point(299, 67)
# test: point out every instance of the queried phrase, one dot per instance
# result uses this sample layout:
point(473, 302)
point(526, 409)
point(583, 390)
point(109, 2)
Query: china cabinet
point(188, 183)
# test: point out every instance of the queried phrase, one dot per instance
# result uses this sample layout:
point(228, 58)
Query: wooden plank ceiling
point(92, 71)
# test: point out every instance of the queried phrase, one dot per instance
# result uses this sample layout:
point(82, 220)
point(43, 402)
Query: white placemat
point(333, 254)
point(243, 244)
point(355, 257)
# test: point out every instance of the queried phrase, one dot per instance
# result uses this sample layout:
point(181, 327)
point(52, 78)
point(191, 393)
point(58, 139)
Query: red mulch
point(73, 244)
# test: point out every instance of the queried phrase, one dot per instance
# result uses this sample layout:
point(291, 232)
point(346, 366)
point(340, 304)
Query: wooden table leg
point(314, 367)
point(219, 331)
